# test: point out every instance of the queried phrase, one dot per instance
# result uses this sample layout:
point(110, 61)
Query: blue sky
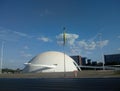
point(30, 27)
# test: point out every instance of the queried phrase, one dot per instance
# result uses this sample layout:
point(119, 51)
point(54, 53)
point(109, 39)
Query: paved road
point(60, 84)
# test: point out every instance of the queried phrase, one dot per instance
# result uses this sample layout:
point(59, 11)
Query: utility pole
point(1, 60)
point(64, 41)
point(100, 35)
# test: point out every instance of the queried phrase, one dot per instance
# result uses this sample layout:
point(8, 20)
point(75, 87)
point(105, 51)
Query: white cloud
point(91, 45)
point(10, 35)
point(118, 49)
point(21, 34)
point(7, 35)
point(81, 47)
point(24, 54)
point(27, 55)
point(45, 12)
point(102, 43)
point(88, 52)
point(70, 38)
point(26, 47)
point(44, 39)
point(2, 33)
point(119, 36)
point(87, 45)
point(74, 50)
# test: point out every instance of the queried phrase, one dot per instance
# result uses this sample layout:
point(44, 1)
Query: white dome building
point(51, 62)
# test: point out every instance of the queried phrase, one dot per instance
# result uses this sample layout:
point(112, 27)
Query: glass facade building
point(113, 59)
point(79, 60)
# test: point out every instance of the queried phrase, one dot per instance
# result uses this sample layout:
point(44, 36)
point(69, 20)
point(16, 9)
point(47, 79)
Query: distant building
point(100, 63)
point(113, 59)
point(94, 63)
point(84, 60)
point(79, 60)
point(88, 61)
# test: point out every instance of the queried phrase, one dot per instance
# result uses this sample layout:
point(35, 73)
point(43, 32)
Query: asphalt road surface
point(60, 84)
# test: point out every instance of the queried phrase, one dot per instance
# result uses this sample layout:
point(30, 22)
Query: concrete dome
point(51, 62)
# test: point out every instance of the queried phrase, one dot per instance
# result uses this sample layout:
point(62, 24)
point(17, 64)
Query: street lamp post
point(100, 35)
point(1, 60)
point(64, 41)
